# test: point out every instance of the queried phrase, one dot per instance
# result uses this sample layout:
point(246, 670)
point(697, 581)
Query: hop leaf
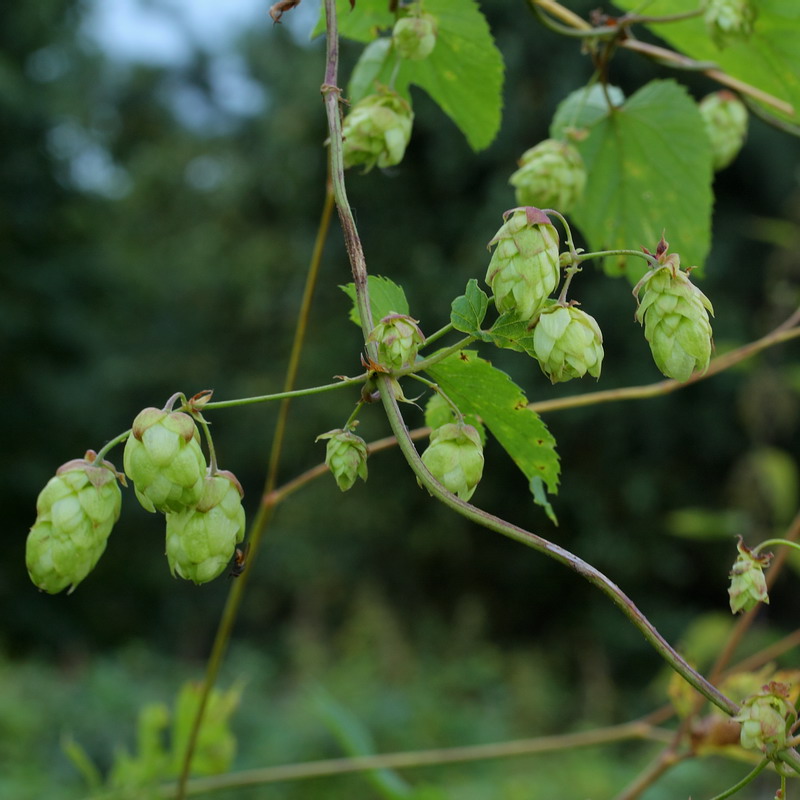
point(748, 585)
point(675, 317)
point(729, 20)
point(75, 513)
point(164, 460)
point(550, 175)
point(346, 457)
point(524, 269)
point(201, 540)
point(398, 338)
point(455, 458)
point(568, 343)
point(763, 717)
point(725, 120)
point(377, 131)
point(414, 37)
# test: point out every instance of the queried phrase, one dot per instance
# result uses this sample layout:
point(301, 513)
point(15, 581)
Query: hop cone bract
point(202, 540)
point(75, 513)
point(346, 457)
point(675, 316)
point(524, 268)
point(414, 37)
point(455, 458)
point(551, 175)
point(725, 120)
point(568, 343)
point(164, 460)
point(398, 338)
point(377, 131)
point(729, 20)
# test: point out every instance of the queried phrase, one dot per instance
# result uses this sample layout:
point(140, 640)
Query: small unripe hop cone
point(398, 338)
point(764, 718)
point(725, 120)
point(75, 513)
point(455, 458)
point(550, 175)
point(414, 37)
point(748, 585)
point(346, 457)
point(729, 21)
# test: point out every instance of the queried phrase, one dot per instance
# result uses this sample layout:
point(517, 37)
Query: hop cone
point(74, 515)
point(346, 457)
point(725, 120)
point(748, 585)
point(377, 130)
point(763, 718)
point(551, 175)
point(398, 338)
point(729, 20)
point(201, 540)
point(455, 458)
point(164, 460)
point(675, 316)
point(568, 343)
point(524, 269)
point(414, 37)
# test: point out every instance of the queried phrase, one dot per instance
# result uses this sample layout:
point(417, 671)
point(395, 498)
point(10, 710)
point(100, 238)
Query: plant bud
point(524, 269)
point(75, 513)
point(675, 317)
point(164, 460)
point(455, 458)
point(748, 585)
point(568, 343)
point(377, 131)
point(550, 175)
point(346, 457)
point(202, 540)
point(729, 20)
point(725, 120)
point(763, 717)
point(398, 338)
point(414, 37)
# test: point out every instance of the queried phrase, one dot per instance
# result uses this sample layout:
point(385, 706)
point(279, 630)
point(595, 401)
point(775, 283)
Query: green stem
point(751, 776)
point(352, 418)
point(427, 363)
point(101, 454)
point(770, 542)
point(212, 453)
point(436, 388)
point(580, 257)
point(438, 334)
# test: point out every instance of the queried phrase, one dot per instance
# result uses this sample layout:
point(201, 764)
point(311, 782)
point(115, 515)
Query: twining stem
point(770, 542)
point(103, 451)
point(749, 778)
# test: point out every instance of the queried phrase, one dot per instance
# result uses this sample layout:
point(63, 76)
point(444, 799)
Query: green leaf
point(469, 309)
point(649, 168)
point(477, 387)
point(377, 57)
point(768, 60)
point(512, 332)
point(438, 413)
point(385, 297)
point(363, 22)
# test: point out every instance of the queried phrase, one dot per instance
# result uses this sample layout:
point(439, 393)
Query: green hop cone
point(725, 120)
point(164, 460)
point(728, 21)
point(524, 269)
point(75, 513)
point(748, 585)
point(398, 338)
point(202, 540)
point(550, 175)
point(675, 317)
point(763, 717)
point(568, 343)
point(346, 457)
point(414, 37)
point(377, 130)
point(455, 458)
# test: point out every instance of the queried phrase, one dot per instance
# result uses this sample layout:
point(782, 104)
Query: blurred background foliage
point(156, 221)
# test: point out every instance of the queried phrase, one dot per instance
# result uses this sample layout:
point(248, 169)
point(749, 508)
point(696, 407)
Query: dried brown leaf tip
point(277, 10)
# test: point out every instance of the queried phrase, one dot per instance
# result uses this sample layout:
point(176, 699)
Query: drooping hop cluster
point(748, 585)
point(725, 120)
point(675, 317)
point(398, 338)
point(377, 130)
point(729, 20)
point(346, 457)
point(414, 36)
point(75, 513)
point(568, 343)
point(201, 539)
point(524, 269)
point(455, 458)
point(164, 460)
point(765, 717)
point(550, 175)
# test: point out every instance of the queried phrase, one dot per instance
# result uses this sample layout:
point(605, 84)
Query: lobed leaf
point(385, 297)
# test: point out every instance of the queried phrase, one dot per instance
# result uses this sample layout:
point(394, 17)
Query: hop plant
point(725, 120)
point(75, 513)
point(455, 458)
point(346, 457)
point(377, 131)
point(568, 343)
point(398, 338)
point(748, 585)
point(164, 460)
point(729, 20)
point(524, 269)
point(414, 37)
point(763, 718)
point(202, 540)
point(675, 317)
point(550, 175)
